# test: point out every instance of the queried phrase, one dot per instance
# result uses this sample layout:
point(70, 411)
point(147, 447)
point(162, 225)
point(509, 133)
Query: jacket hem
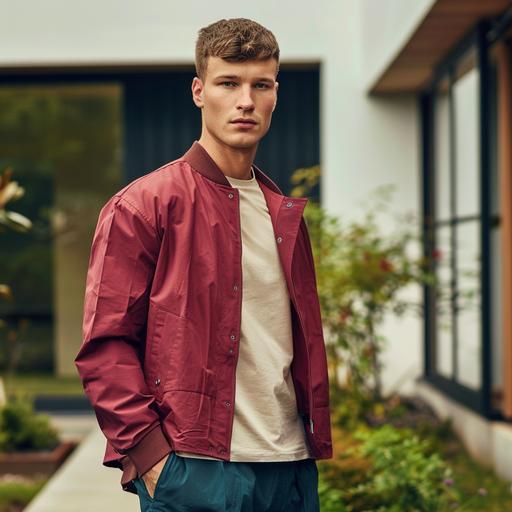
point(153, 447)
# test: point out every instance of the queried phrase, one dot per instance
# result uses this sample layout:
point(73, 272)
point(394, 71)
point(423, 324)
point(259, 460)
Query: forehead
point(218, 67)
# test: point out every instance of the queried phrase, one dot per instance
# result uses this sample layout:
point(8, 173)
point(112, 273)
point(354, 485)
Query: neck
point(233, 162)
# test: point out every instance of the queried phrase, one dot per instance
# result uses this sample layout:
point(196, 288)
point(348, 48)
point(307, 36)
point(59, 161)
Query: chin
point(242, 141)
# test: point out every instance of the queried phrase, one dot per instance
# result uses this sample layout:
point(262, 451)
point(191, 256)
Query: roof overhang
point(442, 27)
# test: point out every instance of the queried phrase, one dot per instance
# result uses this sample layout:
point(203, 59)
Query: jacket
point(162, 315)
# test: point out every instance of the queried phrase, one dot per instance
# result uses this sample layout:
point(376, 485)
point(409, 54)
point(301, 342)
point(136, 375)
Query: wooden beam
point(442, 28)
point(504, 58)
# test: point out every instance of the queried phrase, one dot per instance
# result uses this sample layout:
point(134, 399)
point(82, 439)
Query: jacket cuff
point(149, 450)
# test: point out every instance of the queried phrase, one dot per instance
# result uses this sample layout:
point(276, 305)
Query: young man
point(203, 353)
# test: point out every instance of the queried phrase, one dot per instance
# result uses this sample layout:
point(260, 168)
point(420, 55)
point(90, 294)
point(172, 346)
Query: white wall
point(364, 141)
point(386, 25)
point(367, 142)
point(128, 31)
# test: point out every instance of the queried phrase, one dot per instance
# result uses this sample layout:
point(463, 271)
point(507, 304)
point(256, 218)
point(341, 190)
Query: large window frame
point(481, 37)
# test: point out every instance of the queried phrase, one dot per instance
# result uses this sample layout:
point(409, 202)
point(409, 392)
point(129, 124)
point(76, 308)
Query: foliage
point(403, 475)
point(21, 429)
point(11, 191)
point(14, 495)
point(330, 497)
point(363, 268)
point(387, 469)
point(361, 273)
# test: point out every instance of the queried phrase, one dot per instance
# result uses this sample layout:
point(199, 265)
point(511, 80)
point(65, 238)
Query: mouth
point(244, 123)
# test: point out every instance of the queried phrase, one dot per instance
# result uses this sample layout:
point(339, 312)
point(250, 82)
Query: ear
point(197, 92)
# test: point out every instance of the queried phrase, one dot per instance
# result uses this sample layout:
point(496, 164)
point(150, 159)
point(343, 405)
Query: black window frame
point(480, 37)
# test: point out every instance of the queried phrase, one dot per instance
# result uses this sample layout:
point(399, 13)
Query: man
point(203, 352)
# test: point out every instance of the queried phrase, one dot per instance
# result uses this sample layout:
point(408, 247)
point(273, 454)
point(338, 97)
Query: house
point(414, 93)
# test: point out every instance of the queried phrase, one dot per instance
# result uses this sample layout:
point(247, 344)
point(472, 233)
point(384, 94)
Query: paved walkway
point(82, 483)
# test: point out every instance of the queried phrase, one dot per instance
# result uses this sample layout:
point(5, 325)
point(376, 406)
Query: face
point(233, 90)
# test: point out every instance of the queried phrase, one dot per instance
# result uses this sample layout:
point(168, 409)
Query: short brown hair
point(234, 40)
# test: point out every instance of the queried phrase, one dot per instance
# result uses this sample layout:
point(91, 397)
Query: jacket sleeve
point(123, 257)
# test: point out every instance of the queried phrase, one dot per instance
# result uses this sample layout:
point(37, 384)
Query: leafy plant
point(21, 429)
point(361, 272)
point(17, 494)
point(330, 497)
point(10, 191)
point(403, 474)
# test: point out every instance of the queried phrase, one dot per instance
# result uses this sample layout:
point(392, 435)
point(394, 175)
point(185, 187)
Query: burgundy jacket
point(162, 315)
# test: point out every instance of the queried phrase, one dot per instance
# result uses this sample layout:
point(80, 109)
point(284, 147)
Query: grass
point(471, 476)
point(15, 495)
point(43, 384)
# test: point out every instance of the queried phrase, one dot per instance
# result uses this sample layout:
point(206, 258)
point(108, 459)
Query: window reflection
point(63, 143)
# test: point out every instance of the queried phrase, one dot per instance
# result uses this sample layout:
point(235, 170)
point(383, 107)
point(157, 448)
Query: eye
point(223, 83)
point(265, 86)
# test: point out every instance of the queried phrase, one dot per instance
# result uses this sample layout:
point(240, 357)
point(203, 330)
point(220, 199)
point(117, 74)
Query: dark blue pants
point(190, 484)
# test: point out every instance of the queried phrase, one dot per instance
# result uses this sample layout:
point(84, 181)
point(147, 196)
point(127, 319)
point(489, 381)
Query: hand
point(150, 477)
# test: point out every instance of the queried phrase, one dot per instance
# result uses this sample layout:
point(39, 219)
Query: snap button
point(279, 239)
point(233, 337)
point(227, 403)
point(157, 382)
point(230, 195)
point(289, 204)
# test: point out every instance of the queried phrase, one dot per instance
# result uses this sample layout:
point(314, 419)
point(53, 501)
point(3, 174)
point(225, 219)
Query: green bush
point(21, 429)
point(403, 475)
point(16, 495)
point(330, 498)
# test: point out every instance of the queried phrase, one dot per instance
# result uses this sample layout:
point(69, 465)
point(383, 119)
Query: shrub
point(21, 429)
point(403, 475)
point(330, 498)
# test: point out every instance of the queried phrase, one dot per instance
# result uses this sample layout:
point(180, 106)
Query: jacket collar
point(285, 212)
point(198, 158)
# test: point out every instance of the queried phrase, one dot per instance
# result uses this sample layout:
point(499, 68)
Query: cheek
point(215, 105)
point(268, 109)
point(268, 105)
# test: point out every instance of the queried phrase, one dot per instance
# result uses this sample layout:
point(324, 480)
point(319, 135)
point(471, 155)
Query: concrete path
point(82, 483)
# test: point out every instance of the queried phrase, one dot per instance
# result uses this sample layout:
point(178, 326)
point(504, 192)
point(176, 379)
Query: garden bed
point(16, 491)
point(472, 486)
point(30, 463)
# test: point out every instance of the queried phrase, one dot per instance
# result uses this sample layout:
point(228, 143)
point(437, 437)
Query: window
point(464, 320)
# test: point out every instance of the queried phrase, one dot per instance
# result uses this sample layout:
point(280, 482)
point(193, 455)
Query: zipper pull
point(311, 424)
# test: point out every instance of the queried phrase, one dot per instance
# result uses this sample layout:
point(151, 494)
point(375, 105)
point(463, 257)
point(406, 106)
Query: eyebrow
point(236, 77)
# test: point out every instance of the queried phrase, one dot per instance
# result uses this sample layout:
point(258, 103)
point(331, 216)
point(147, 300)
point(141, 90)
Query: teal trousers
point(190, 484)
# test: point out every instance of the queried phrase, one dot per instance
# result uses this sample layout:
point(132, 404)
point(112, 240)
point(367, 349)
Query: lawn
point(16, 492)
point(43, 384)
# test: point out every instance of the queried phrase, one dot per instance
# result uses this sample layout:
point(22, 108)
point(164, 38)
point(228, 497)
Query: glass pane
point(444, 318)
point(494, 137)
point(63, 143)
point(442, 150)
point(468, 304)
point(467, 146)
point(496, 311)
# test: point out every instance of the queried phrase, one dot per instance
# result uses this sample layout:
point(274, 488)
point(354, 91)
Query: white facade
point(365, 141)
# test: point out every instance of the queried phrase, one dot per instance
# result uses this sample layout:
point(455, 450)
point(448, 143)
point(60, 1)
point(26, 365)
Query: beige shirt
point(266, 425)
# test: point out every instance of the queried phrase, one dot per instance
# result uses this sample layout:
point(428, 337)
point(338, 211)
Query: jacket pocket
point(191, 414)
point(164, 340)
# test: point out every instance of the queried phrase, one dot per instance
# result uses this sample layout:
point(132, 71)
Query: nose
point(245, 101)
